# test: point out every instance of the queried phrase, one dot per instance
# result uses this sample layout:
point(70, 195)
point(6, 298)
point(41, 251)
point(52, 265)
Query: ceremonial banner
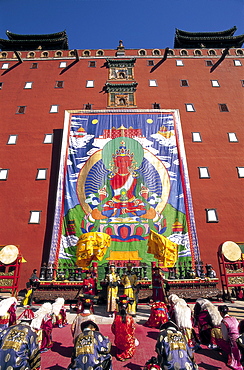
point(123, 173)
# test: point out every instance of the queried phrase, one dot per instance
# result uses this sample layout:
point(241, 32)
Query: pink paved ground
point(58, 358)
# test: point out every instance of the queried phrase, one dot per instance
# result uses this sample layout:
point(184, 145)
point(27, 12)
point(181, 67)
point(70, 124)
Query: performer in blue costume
point(173, 350)
point(91, 349)
point(19, 347)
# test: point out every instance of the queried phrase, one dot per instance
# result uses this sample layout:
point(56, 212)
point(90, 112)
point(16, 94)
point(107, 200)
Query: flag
point(163, 249)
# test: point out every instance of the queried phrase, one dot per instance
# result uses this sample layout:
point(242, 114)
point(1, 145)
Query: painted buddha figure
point(124, 195)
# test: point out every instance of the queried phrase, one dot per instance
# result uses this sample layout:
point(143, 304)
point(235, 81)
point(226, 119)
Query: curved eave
point(15, 36)
point(206, 42)
point(61, 43)
point(229, 32)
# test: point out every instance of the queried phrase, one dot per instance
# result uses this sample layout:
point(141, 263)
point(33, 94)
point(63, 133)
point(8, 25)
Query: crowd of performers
point(182, 330)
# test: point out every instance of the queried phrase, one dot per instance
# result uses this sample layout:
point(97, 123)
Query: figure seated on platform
point(42, 324)
point(84, 315)
point(8, 308)
point(158, 316)
point(59, 313)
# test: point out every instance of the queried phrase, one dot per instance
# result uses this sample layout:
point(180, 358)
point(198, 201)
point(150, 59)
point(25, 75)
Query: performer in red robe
point(158, 316)
point(8, 308)
point(89, 284)
point(42, 324)
point(123, 327)
point(158, 285)
point(59, 313)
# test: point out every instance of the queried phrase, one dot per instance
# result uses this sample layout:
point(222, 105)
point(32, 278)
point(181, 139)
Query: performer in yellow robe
point(113, 281)
point(129, 280)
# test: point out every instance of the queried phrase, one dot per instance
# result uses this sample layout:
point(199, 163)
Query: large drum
point(8, 254)
point(231, 251)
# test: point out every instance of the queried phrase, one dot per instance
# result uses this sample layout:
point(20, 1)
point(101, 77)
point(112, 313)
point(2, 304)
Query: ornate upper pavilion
point(17, 42)
point(222, 39)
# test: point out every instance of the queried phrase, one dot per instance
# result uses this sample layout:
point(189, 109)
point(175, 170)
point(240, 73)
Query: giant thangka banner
point(123, 173)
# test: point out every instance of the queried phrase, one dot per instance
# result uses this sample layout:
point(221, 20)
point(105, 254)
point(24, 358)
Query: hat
point(85, 324)
point(169, 324)
point(26, 315)
point(124, 300)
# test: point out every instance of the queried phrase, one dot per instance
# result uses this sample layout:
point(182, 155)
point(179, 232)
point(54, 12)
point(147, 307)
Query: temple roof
point(17, 42)
point(222, 39)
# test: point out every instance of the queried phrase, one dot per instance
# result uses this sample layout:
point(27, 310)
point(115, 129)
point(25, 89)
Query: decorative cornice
point(126, 87)
point(121, 63)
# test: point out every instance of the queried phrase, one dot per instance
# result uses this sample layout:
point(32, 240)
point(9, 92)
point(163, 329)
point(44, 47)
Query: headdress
point(85, 324)
point(26, 315)
point(169, 324)
point(5, 305)
point(173, 298)
point(44, 310)
point(123, 300)
point(57, 305)
point(213, 312)
point(182, 314)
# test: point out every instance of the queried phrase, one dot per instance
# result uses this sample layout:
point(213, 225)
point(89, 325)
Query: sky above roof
point(100, 24)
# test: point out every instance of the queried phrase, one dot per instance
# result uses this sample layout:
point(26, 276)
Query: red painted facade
point(22, 193)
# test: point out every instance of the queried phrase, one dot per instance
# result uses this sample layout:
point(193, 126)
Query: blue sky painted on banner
point(98, 24)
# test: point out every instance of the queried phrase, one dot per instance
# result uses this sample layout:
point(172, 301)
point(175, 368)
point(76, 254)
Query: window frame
point(28, 85)
point(34, 65)
point(182, 85)
point(62, 64)
point(209, 218)
point(52, 108)
point(4, 171)
point(91, 62)
point(209, 63)
point(213, 83)
point(91, 83)
point(9, 139)
point(5, 66)
point(33, 216)
point(19, 109)
point(221, 106)
point(45, 138)
point(201, 171)
point(38, 174)
point(152, 83)
point(237, 63)
point(240, 171)
point(59, 87)
point(229, 137)
point(179, 63)
point(196, 141)
point(190, 104)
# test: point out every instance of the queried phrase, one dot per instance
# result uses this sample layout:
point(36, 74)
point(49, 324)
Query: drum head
point(8, 254)
point(231, 251)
